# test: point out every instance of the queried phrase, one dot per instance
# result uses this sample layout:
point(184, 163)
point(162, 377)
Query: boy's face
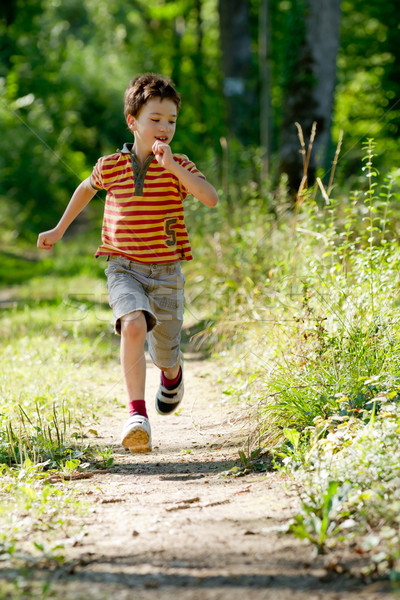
point(155, 121)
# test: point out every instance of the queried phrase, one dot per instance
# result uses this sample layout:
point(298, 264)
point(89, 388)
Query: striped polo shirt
point(143, 214)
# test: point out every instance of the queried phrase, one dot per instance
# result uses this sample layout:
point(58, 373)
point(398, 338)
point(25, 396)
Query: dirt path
point(171, 525)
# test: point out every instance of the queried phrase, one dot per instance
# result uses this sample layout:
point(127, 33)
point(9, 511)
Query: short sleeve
point(96, 178)
point(189, 166)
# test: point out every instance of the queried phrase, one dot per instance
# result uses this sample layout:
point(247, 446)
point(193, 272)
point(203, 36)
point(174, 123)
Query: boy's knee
point(133, 325)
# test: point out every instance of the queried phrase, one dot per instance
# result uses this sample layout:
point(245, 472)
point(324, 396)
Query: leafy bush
point(310, 328)
point(363, 459)
point(310, 304)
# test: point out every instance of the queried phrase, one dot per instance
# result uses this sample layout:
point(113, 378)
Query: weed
point(106, 456)
point(307, 315)
point(31, 511)
point(334, 326)
point(365, 453)
point(322, 517)
point(257, 460)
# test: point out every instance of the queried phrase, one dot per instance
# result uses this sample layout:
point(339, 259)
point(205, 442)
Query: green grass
point(60, 372)
point(361, 457)
point(308, 304)
point(36, 517)
point(305, 312)
point(53, 355)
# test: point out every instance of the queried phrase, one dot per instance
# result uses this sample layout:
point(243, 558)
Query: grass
point(305, 312)
point(308, 303)
point(52, 354)
point(35, 516)
point(361, 457)
point(60, 371)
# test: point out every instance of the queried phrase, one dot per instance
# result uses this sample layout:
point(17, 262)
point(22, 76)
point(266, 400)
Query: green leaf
point(293, 436)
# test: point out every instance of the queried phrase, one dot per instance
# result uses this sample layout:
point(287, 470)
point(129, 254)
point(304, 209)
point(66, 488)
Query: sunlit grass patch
point(59, 372)
point(56, 337)
point(36, 518)
point(52, 392)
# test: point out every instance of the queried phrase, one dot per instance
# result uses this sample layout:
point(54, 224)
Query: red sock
point(137, 406)
point(171, 383)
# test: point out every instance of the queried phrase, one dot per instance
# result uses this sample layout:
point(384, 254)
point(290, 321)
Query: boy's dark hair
point(145, 87)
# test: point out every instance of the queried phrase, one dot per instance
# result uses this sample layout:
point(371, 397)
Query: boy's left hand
point(163, 154)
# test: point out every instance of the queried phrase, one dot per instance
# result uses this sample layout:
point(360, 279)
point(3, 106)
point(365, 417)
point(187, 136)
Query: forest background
point(296, 292)
point(246, 70)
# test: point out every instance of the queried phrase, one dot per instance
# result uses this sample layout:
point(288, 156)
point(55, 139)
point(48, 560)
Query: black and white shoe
point(168, 400)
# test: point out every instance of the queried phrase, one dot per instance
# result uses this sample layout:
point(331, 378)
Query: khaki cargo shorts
point(158, 291)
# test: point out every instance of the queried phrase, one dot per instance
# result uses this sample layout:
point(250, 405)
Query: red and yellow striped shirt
point(143, 214)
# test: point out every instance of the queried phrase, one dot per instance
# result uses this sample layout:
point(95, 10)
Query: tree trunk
point(264, 36)
point(238, 90)
point(8, 12)
point(309, 95)
point(198, 62)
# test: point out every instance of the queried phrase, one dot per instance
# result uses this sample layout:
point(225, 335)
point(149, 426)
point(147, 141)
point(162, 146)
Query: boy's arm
point(196, 186)
point(80, 198)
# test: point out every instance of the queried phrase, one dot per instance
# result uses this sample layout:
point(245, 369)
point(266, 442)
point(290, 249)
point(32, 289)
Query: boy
point(144, 237)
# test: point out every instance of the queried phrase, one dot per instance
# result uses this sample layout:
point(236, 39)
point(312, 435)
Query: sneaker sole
point(137, 442)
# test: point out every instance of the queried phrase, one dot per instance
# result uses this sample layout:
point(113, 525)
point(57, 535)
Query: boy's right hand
point(47, 239)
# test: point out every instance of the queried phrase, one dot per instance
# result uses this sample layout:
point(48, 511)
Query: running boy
point(144, 238)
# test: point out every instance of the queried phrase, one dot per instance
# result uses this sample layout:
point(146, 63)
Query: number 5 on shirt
point(170, 233)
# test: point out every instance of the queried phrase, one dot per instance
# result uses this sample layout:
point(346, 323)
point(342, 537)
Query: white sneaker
point(136, 434)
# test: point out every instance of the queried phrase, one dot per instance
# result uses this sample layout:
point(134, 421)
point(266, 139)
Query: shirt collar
point(127, 149)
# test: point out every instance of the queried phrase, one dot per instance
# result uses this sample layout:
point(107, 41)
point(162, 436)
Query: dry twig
point(323, 191)
point(335, 161)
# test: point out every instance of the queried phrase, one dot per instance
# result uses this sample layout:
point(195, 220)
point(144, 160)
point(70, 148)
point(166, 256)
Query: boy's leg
point(127, 284)
point(164, 348)
point(173, 372)
point(136, 432)
point(166, 301)
point(133, 362)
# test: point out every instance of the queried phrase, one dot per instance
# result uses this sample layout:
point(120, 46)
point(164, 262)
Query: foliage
point(345, 319)
point(58, 370)
point(319, 521)
point(309, 327)
point(316, 320)
point(363, 458)
point(33, 514)
point(64, 68)
point(367, 93)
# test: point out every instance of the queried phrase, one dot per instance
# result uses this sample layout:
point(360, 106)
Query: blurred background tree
point(313, 31)
point(239, 85)
point(241, 67)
